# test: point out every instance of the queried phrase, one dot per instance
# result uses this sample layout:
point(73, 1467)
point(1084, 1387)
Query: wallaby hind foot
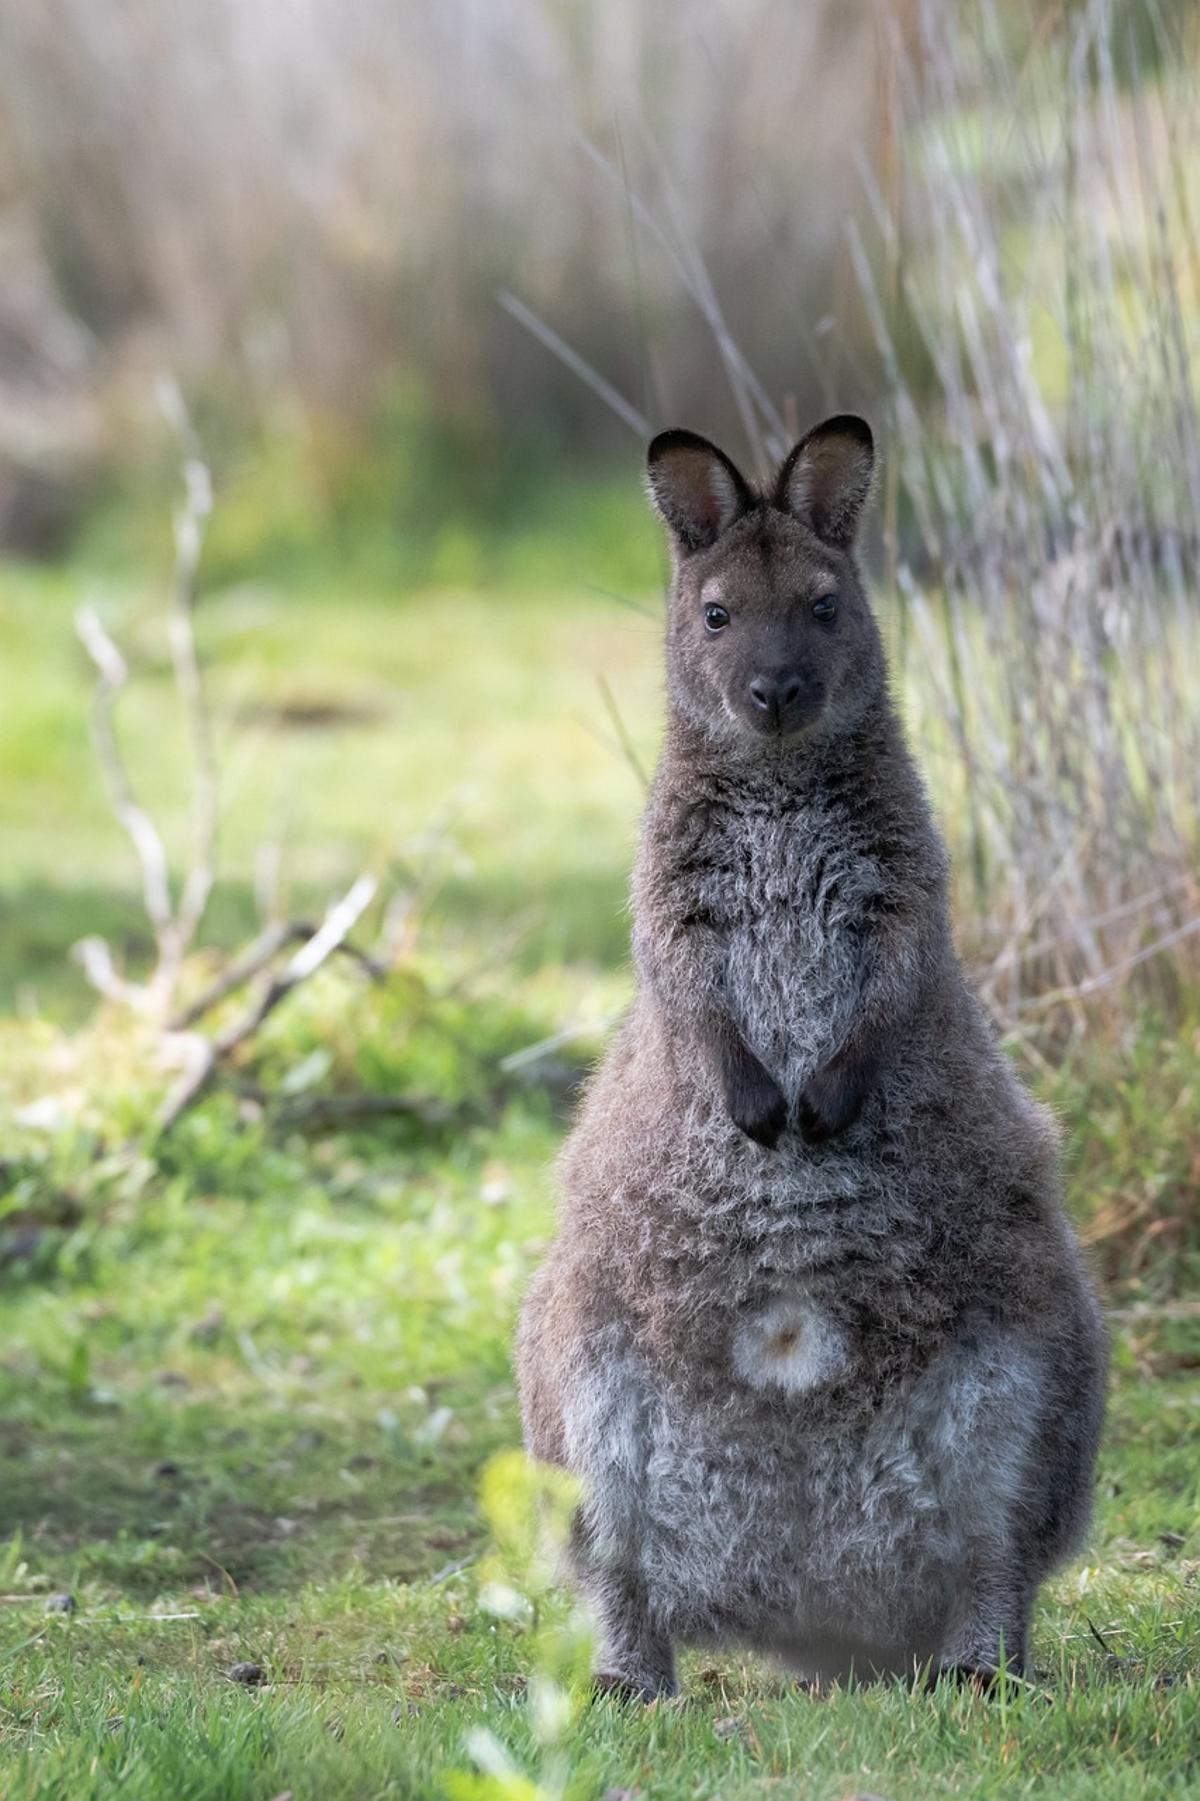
point(634, 1662)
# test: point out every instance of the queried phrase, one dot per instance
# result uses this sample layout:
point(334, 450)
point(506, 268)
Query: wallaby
point(815, 1333)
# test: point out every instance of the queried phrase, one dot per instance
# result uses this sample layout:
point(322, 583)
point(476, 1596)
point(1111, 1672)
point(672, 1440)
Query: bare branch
point(545, 1047)
point(174, 926)
point(255, 958)
point(210, 1052)
point(684, 254)
point(330, 1111)
point(242, 969)
point(1148, 1310)
point(337, 922)
point(1080, 990)
point(190, 521)
point(143, 834)
point(95, 959)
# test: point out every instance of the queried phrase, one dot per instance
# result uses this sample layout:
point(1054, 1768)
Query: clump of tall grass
point(1027, 267)
point(1031, 283)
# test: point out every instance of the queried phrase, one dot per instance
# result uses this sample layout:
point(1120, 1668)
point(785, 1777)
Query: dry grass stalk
point(1033, 241)
point(1049, 563)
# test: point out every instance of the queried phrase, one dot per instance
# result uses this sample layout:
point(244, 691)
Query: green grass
point(250, 1380)
point(255, 1390)
point(437, 732)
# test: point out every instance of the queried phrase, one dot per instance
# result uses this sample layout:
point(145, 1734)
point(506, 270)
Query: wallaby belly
point(791, 1515)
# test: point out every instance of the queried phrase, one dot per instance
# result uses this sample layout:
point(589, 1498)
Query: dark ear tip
point(846, 425)
point(676, 439)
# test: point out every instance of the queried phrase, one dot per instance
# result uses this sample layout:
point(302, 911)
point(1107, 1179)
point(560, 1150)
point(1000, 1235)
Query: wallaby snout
point(783, 702)
point(775, 695)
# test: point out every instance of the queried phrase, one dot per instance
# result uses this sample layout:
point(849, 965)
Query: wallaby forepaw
point(831, 1100)
point(759, 1111)
point(755, 1103)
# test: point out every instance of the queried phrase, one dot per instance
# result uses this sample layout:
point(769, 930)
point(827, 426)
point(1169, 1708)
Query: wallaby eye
point(715, 619)
point(825, 608)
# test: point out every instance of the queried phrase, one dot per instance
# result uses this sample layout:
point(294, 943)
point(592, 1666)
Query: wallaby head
point(770, 635)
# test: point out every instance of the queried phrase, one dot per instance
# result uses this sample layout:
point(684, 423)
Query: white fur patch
point(790, 1345)
point(607, 1433)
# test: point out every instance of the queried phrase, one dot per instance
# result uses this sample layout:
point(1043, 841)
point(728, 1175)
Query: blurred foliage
point(456, 741)
point(303, 210)
point(405, 497)
point(1131, 1102)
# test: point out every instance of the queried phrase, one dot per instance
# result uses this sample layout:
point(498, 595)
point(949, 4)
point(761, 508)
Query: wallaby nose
point(775, 695)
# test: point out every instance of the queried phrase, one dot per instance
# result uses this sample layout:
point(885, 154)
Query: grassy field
point(252, 1377)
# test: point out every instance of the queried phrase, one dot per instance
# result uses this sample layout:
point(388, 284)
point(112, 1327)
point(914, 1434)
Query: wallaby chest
point(789, 887)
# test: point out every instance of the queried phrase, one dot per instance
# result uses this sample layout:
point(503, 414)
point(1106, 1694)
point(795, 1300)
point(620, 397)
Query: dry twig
point(255, 958)
point(209, 1053)
point(174, 926)
point(113, 672)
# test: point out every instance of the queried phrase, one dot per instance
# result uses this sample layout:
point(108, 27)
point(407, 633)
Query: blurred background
point(426, 277)
point(331, 333)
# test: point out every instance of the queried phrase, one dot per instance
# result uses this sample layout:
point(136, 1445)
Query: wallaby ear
point(826, 480)
point(696, 490)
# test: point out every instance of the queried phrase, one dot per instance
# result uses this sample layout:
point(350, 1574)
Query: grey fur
point(815, 1332)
